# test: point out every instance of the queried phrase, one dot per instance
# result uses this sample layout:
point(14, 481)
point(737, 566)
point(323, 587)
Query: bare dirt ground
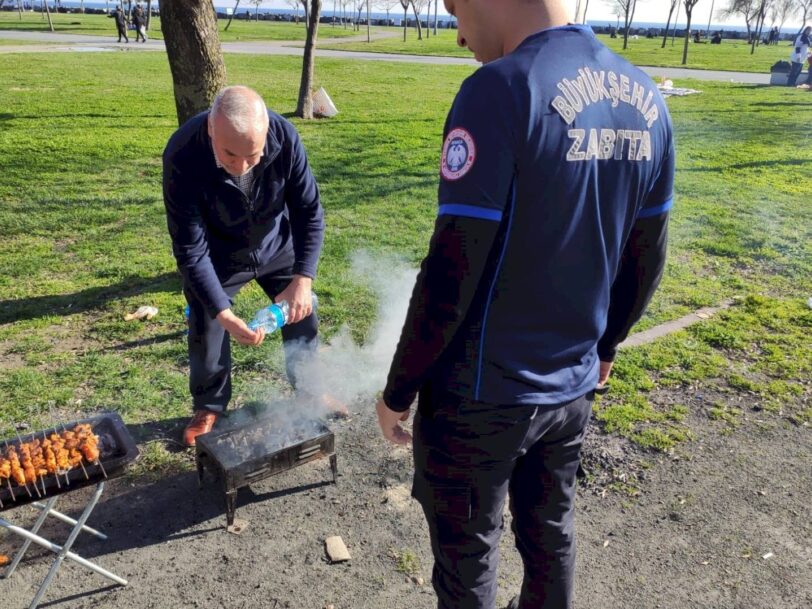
point(723, 523)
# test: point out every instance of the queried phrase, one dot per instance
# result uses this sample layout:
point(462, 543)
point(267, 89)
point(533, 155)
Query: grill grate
point(244, 455)
point(116, 449)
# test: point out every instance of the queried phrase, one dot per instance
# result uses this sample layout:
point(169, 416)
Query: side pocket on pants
point(450, 503)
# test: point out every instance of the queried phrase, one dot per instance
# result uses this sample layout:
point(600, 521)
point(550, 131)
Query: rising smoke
point(343, 370)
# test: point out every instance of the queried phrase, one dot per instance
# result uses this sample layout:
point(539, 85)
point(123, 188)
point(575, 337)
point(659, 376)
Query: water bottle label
point(276, 311)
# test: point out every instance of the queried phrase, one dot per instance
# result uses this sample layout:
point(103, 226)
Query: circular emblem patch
point(459, 154)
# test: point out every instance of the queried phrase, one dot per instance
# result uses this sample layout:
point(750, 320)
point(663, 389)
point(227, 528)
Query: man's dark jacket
point(217, 231)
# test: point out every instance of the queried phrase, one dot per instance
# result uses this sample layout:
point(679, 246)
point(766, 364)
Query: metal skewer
point(10, 490)
point(99, 463)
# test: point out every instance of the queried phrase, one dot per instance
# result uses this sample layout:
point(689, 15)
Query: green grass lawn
point(84, 234)
point(731, 55)
point(101, 25)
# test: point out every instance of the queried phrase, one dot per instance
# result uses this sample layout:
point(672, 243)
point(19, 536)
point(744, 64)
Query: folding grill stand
point(62, 552)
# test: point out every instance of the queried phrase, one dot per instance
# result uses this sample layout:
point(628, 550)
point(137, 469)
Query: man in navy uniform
point(555, 184)
point(241, 204)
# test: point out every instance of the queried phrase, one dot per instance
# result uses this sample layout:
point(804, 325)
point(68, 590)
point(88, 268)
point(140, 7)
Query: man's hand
point(299, 296)
point(389, 420)
point(239, 330)
point(606, 370)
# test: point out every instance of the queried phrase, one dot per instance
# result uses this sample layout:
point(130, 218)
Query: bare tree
point(48, 12)
point(689, 9)
point(149, 14)
point(304, 109)
point(674, 5)
point(388, 5)
point(358, 6)
point(294, 4)
point(417, 7)
point(761, 16)
point(405, 4)
point(231, 16)
point(805, 6)
point(746, 9)
point(435, 16)
point(195, 57)
point(256, 4)
point(781, 10)
point(625, 9)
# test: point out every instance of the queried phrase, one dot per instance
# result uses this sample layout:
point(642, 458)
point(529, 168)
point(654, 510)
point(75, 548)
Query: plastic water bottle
point(274, 316)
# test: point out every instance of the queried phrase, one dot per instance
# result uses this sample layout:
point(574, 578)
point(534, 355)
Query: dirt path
point(694, 536)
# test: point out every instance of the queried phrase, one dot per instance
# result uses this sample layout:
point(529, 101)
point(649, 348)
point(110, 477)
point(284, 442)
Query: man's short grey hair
point(242, 107)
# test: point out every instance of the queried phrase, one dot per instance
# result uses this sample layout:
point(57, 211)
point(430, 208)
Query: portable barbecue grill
point(116, 450)
point(244, 455)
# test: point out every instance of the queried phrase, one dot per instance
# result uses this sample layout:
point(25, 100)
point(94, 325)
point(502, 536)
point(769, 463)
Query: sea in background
point(395, 15)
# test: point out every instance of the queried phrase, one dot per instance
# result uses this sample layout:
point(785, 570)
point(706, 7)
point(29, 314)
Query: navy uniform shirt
point(554, 158)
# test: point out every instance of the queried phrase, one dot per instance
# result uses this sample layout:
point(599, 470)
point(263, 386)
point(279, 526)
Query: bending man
point(241, 204)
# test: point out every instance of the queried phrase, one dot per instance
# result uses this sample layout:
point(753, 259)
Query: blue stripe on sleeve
point(648, 212)
point(470, 211)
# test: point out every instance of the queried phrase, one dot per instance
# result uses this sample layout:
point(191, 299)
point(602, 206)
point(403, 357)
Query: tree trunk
point(676, 20)
point(707, 32)
point(626, 24)
point(307, 12)
point(256, 14)
point(667, 24)
point(759, 26)
point(304, 109)
point(369, 31)
point(688, 12)
point(195, 57)
point(20, 8)
point(231, 16)
point(48, 12)
point(149, 14)
point(419, 27)
point(405, 21)
point(435, 17)
point(129, 10)
point(428, 20)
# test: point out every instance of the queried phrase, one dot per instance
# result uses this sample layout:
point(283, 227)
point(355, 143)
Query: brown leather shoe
point(202, 422)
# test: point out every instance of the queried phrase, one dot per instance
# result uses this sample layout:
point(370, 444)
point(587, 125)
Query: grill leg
point(68, 544)
point(200, 471)
point(19, 555)
point(231, 506)
point(334, 467)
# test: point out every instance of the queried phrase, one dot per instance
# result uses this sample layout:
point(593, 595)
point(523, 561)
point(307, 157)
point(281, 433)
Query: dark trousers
point(210, 344)
point(468, 457)
point(794, 72)
point(122, 32)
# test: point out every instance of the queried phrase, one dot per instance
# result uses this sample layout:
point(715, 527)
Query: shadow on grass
point(753, 164)
point(805, 104)
point(144, 342)
point(91, 298)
